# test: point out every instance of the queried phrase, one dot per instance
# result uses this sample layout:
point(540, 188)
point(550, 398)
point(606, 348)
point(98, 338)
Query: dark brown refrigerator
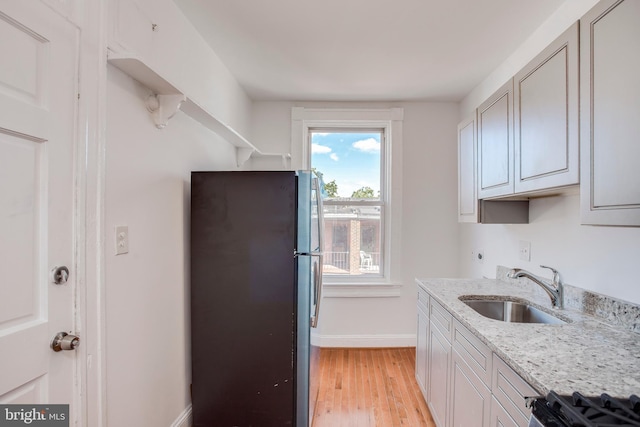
point(256, 266)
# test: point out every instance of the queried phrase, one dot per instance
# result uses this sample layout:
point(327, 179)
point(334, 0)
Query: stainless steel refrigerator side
point(303, 190)
point(309, 270)
point(303, 341)
point(317, 248)
point(314, 350)
point(304, 284)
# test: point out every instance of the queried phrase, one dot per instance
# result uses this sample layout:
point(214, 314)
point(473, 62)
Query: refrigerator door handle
point(320, 207)
point(317, 289)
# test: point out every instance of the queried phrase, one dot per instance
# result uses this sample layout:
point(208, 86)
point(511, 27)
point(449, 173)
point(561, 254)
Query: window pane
point(352, 240)
point(348, 163)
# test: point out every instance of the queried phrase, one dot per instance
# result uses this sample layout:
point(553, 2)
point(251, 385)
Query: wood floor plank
point(403, 382)
point(418, 404)
point(386, 403)
point(398, 410)
point(369, 388)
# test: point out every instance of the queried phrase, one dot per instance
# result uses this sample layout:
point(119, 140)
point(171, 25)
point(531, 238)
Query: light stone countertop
point(585, 355)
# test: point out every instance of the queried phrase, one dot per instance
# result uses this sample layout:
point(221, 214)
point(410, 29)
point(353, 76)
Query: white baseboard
point(367, 341)
point(185, 419)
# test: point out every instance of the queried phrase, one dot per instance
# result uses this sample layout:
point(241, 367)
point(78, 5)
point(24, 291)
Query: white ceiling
point(364, 50)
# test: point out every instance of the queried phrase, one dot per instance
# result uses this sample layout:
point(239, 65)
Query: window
point(350, 166)
point(359, 154)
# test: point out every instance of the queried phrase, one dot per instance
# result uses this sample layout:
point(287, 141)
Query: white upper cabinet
point(495, 144)
point(546, 117)
point(467, 186)
point(528, 131)
point(610, 113)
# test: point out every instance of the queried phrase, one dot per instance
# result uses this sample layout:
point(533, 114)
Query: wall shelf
point(167, 99)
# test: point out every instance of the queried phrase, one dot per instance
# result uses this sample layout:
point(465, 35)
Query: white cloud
point(320, 149)
point(368, 145)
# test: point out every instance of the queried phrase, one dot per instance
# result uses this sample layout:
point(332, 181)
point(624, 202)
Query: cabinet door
point(609, 92)
point(421, 350)
point(473, 351)
point(470, 397)
point(500, 417)
point(438, 379)
point(495, 144)
point(467, 172)
point(510, 390)
point(546, 117)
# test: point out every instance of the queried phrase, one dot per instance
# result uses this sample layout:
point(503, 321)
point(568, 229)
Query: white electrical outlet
point(525, 250)
point(122, 239)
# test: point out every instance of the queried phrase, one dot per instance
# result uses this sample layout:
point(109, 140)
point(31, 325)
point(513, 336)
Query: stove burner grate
point(603, 411)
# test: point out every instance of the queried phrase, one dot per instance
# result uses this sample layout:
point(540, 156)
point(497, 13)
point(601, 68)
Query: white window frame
point(304, 120)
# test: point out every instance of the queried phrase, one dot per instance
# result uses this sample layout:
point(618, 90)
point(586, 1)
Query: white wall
point(178, 53)
point(147, 298)
point(147, 181)
point(601, 259)
point(429, 224)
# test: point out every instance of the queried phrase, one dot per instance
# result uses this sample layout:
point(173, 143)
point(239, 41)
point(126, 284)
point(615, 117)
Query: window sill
point(360, 290)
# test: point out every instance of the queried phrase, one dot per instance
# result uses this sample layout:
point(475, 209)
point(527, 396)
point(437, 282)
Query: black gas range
point(582, 411)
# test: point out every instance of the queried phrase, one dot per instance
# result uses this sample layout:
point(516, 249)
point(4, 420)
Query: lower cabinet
point(510, 390)
point(421, 349)
point(438, 386)
point(465, 383)
point(471, 398)
point(500, 417)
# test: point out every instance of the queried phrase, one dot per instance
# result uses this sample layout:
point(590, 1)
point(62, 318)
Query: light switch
point(122, 239)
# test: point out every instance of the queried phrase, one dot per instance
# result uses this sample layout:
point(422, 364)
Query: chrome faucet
point(554, 289)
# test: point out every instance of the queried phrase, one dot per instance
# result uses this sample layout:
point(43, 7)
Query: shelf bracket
point(163, 107)
point(243, 154)
point(285, 160)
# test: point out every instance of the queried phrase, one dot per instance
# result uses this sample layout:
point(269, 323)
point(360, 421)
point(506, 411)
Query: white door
point(38, 98)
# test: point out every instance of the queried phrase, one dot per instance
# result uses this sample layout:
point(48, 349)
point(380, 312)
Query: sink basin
point(511, 311)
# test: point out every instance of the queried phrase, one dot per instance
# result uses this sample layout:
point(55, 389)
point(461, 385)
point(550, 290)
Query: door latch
point(60, 275)
point(65, 341)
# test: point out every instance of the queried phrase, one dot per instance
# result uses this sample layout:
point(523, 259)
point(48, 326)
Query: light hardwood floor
point(369, 388)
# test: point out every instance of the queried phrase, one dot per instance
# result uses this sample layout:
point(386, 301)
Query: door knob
point(65, 341)
point(60, 275)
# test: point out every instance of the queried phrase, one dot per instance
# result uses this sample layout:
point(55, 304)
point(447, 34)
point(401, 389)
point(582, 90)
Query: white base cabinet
point(510, 390)
point(466, 384)
point(470, 397)
point(500, 417)
point(439, 369)
point(421, 344)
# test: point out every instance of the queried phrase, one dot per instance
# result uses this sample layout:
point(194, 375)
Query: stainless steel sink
point(512, 311)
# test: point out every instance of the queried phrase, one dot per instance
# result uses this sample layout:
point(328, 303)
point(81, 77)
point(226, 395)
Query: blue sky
point(352, 159)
